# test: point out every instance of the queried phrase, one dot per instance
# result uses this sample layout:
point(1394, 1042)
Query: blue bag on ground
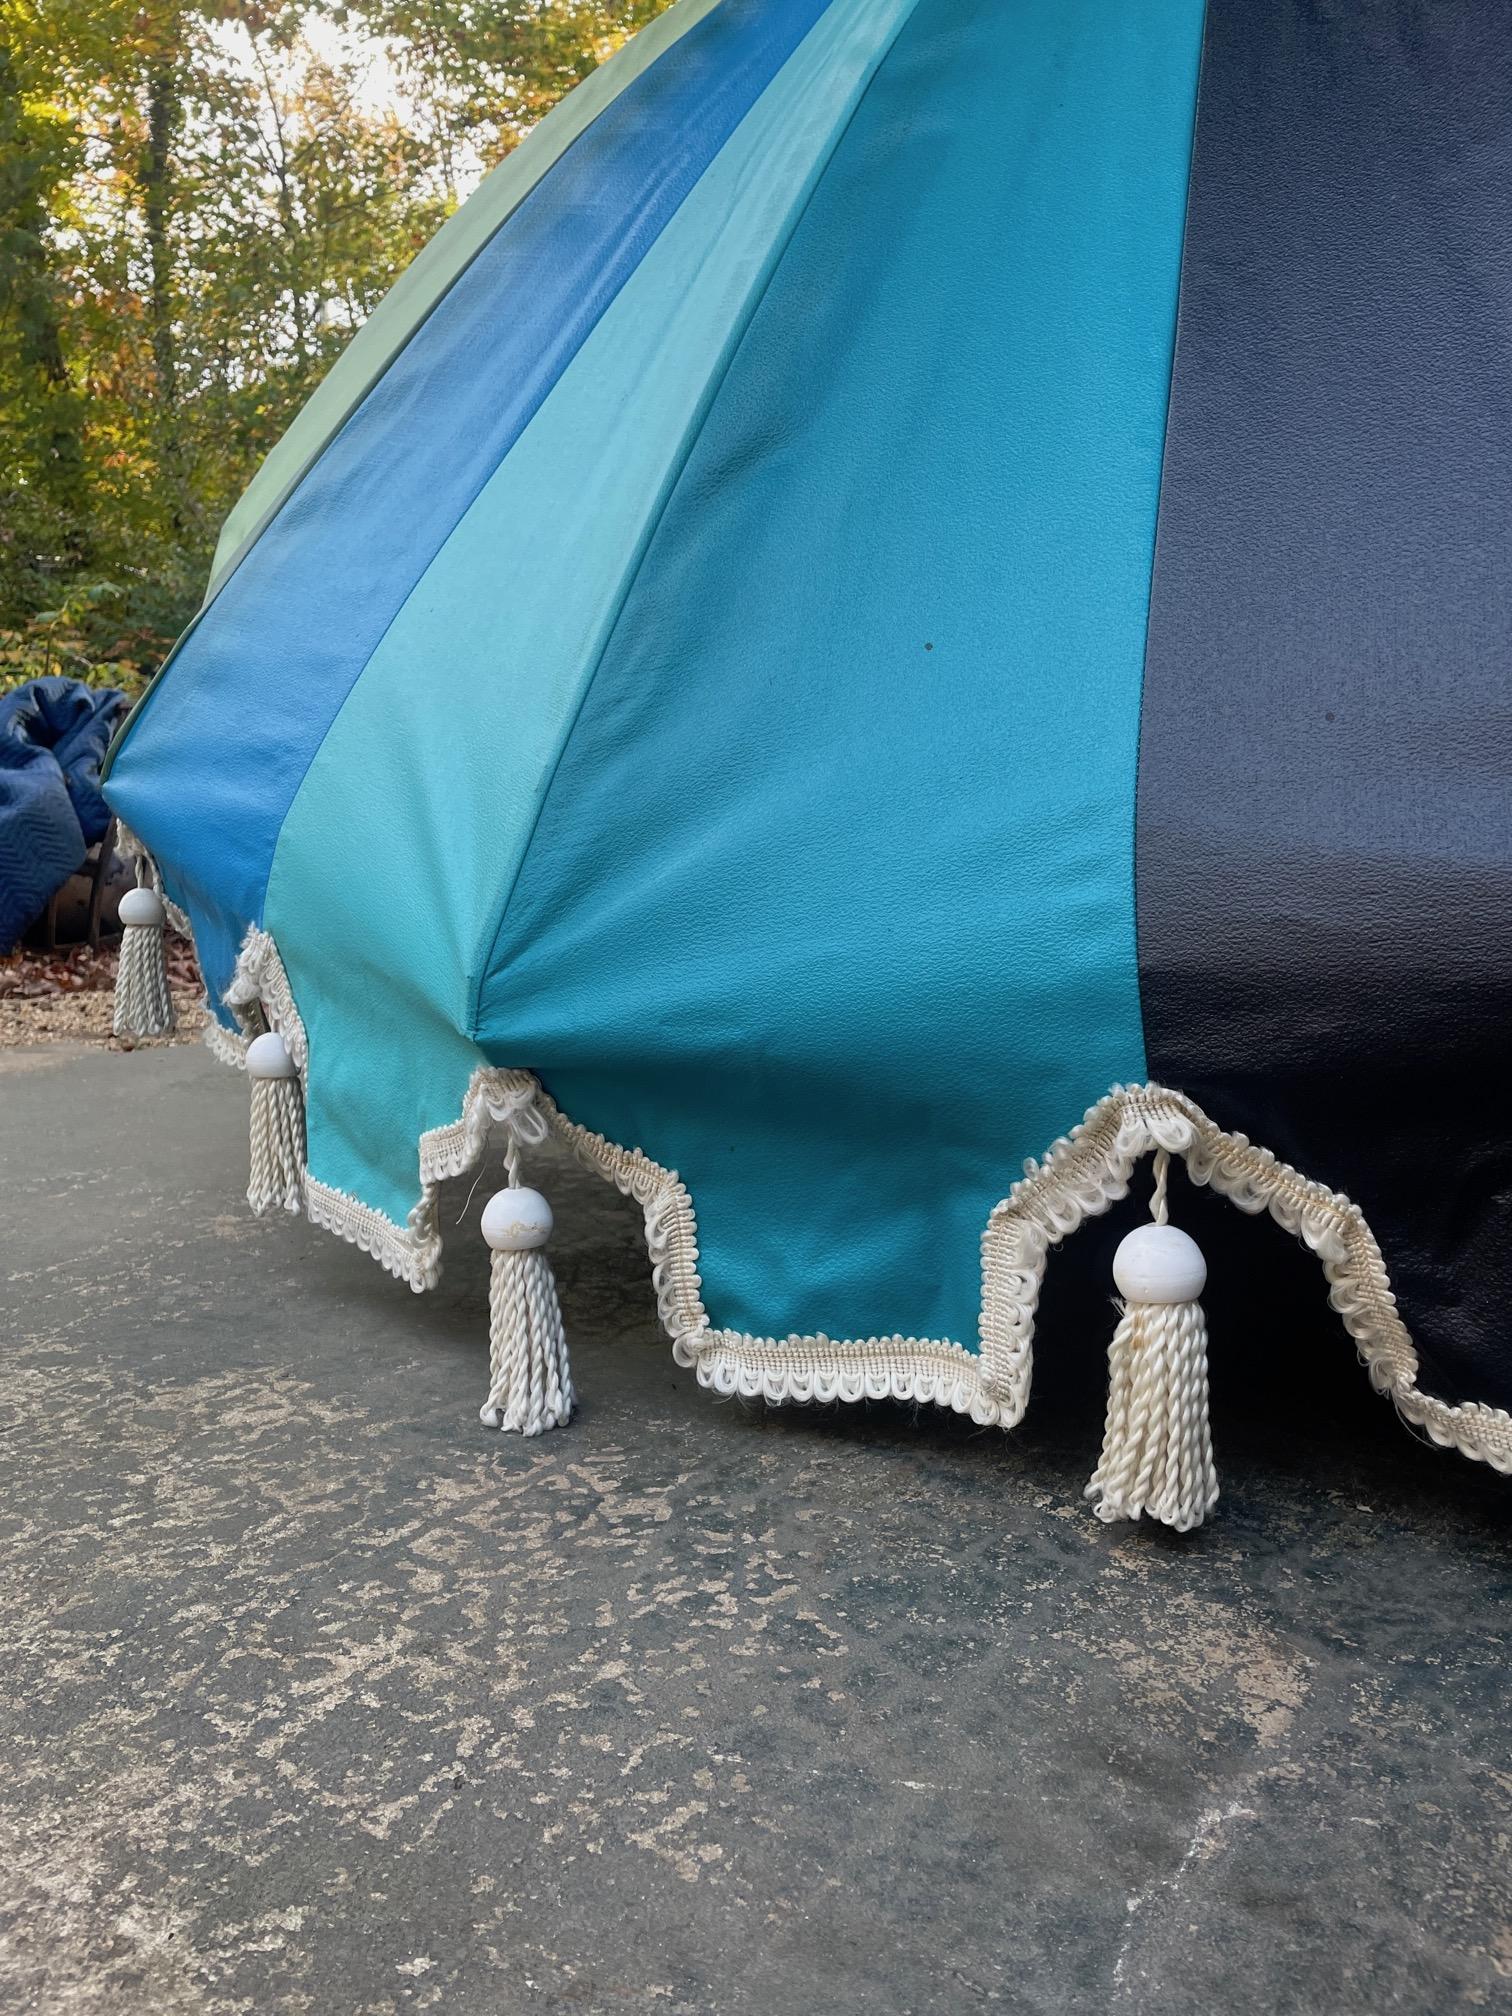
point(53, 737)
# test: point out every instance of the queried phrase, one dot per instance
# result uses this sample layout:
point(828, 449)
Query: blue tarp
point(53, 737)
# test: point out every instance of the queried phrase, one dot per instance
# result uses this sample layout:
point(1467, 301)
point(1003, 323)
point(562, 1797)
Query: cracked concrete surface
point(319, 1697)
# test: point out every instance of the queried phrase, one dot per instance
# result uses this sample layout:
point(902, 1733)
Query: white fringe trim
point(1080, 1177)
point(226, 1046)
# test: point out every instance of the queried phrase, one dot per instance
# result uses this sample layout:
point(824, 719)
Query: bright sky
point(380, 88)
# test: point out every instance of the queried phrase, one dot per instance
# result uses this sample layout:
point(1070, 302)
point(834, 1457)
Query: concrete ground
point(319, 1697)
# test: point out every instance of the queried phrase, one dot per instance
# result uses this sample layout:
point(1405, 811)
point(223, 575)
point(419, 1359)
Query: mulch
point(27, 975)
point(67, 996)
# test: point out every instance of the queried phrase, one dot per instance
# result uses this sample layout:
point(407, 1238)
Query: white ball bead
point(268, 1057)
point(143, 908)
point(516, 1220)
point(1159, 1263)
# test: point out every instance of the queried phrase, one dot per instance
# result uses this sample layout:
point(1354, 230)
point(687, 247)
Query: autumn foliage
point(198, 204)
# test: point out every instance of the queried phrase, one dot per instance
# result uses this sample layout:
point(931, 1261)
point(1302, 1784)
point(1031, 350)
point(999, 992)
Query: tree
point(198, 204)
point(42, 491)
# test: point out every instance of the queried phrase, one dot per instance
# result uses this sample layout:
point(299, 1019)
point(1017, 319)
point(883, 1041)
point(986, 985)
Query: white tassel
point(143, 1004)
point(278, 1127)
point(530, 1380)
point(1157, 1454)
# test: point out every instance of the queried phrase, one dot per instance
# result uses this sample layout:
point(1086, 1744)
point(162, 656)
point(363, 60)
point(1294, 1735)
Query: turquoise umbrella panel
point(819, 768)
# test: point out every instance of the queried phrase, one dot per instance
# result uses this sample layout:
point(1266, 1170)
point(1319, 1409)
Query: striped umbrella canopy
point(901, 575)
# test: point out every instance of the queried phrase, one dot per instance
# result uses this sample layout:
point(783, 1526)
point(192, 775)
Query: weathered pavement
point(319, 1697)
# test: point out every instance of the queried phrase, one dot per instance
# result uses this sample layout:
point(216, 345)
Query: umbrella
point(917, 610)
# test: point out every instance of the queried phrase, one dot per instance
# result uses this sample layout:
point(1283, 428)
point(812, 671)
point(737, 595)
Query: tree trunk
point(157, 203)
point(157, 208)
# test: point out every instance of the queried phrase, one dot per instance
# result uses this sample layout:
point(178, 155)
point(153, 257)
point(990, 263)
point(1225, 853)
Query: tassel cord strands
point(143, 1003)
point(530, 1378)
point(1157, 1454)
point(277, 1127)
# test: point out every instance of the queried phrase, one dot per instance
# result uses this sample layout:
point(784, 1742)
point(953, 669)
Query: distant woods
point(197, 207)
